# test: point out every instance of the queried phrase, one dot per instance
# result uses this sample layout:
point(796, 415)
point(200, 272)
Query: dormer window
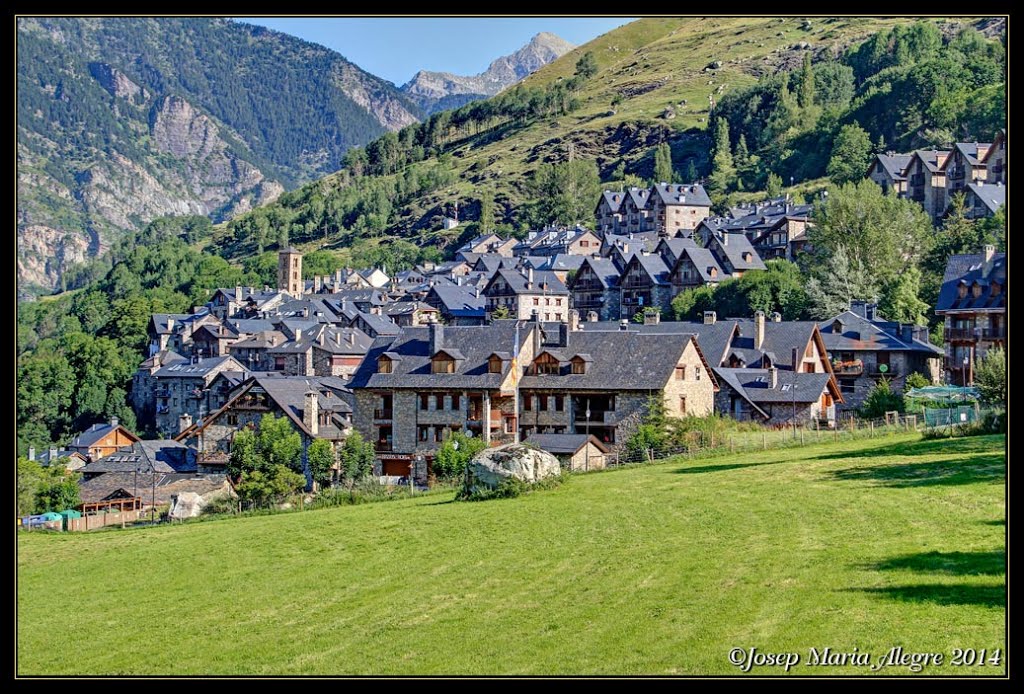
point(746, 257)
point(579, 363)
point(546, 364)
point(712, 272)
point(442, 364)
point(494, 364)
point(976, 290)
point(384, 365)
point(962, 291)
point(997, 289)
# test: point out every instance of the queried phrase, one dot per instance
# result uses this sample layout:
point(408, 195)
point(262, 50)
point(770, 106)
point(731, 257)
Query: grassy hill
point(653, 570)
point(653, 83)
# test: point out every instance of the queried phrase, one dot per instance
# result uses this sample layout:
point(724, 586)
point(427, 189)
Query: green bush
point(509, 488)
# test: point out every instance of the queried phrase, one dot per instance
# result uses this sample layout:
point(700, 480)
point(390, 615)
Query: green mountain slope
point(121, 120)
point(651, 81)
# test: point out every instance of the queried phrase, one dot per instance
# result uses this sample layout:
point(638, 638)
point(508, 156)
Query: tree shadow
point(964, 594)
point(723, 467)
point(967, 444)
point(1001, 522)
point(979, 469)
point(959, 563)
point(992, 563)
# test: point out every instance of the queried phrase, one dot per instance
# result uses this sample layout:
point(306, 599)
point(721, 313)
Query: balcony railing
point(383, 446)
point(960, 334)
point(475, 418)
point(162, 409)
point(994, 333)
point(848, 368)
point(917, 180)
point(890, 371)
point(383, 413)
point(163, 393)
point(596, 417)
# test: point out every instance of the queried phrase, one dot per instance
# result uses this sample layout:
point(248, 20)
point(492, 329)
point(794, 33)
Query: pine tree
point(663, 163)
point(723, 172)
point(691, 171)
point(851, 154)
point(774, 185)
point(806, 95)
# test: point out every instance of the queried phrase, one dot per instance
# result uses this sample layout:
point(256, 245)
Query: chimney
point(574, 320)
point(907, 332)
point(317, 283)
point(529, 278)
point(990, 253)
point(351, 338)
point(53, 456)
point(436, 337)
point(114, 421)
point(725, 239)
point(31, 452)
point(758, 329)
point(298, 333)
point(710, 317)
point(773, 377)
point(624, 324)
point(652, 318)
point(563, 335)
point(323, 337)
point(184, 422)
point(795, 360)
point(337, 280)
point(591, 316)
point(311, 411)
point(776, 317)
point(238, 294)
point(170, 324)
point(477, 292)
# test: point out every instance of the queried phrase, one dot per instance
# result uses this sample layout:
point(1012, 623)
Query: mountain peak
point(435, 91)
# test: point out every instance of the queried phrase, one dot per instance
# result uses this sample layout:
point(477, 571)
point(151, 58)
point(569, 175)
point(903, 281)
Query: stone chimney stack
point(32, 453)
point(574, 320)
point(652, 318)
point(114, 421)
point(311, 411)
point(529, 278)
point(317, 283)
point(238, 294)
point(624, 324)
point(776, 317)
point(725, 238)
point(53, 456)
point(184, 422)
point(351, 338)
point(592, 316)
point(436, 337)
point(337, 280)
point(773, 377)
point(990, 253)
point(710, 317)
point(758, 329)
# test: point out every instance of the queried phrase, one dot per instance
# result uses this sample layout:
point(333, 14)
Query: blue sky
point(396, 48)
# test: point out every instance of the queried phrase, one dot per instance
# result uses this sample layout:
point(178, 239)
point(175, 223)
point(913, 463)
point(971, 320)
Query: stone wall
point(699, 393)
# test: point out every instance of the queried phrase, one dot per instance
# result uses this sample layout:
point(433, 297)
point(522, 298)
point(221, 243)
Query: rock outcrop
point(489, 468)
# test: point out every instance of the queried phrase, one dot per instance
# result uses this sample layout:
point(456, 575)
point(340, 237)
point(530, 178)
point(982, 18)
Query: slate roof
point(458, 301)
point(779, 339)
point(671, 249)
point(351, 341)
point(490, 262)
point(160, 322)
point(401, 308)
point(933, 159)
point(969, 151)
point(544, 281)
point(894, 164)
point(622, 360)
point(604, 269)
point(197, 369)
point(682, 194)
point(752, 384)
point(261, 340)
point(105, 486)
point(613, 198)
point(860, 334)
point(251, 326)
point(378, 324)
point(992, 195)
point(653, 265)
point(96, 433)
point(161, 455)
point(563, 262)
point(713, 339)
point(704, 261)
point(310, 309)
point(162, 358)
point(563, 443)
point(411, 368)
point(639, 196)
point(734, 248)
point(966, 270)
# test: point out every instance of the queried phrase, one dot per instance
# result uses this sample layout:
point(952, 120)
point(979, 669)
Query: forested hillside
point(123, 120)
point(782, 92)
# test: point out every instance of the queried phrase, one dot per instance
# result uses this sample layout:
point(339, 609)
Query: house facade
point(101, 440)
point(926, 181)
point(528, 292)
point(183, 389)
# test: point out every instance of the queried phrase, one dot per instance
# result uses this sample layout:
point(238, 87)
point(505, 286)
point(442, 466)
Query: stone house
point(776, 397)
point(458, 304)
point(887, 171)
point(339, 351)
point(252, 351)
point(734, 253)
point(609, 212)
point(636, 215)
point(645, 282)
point(214, 340)
point(576, 452)
point(528, 292)
point(143, 391)
point(595, 288)
point(965, 164)
point(695, 267)
point(316, 407)
point(183, 388)
point(408, 314)
point(995, 160)
point(926, 181)
point(488, 243)
point(983, 199)
point(864, 349)
point(676, 208)
point(972, 303)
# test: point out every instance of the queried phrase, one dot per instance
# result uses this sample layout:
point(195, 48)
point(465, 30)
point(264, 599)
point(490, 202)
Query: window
point(546, 364)
point(847, 386)
point(510, 425)
point(543, 406)
point(383, 365)
point(559, 403)
point(579, 366)
point(438, 401)
point(232, 419)
point(681, 373)
point(558, 302)
point(558, 316)
point(547, 316)
point(696, 373)
point(295, 275)
point(547, 302)
point(423, 434)
point(682, 404)
point(997, 289)
point(494, 365)
point(527, 402)
point(442, 364)
point(440, 433)
point(536, 301)
point(962, 290)
point(976, 290)
point(295, 262)
point(456, 403)
point(424, 401)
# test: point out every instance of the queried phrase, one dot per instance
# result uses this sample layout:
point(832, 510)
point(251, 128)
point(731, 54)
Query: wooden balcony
point(382, 414)
point(848, 368)
point(596, 417)
point(993, 334)
point(961, 334)
point(383, 447)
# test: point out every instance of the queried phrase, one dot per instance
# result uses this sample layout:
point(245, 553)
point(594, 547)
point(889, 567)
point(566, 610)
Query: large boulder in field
point(186, 505)
point(491, 466)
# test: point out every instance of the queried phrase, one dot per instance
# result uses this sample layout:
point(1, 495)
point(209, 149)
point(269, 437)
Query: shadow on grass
point(995, 522)
point(978, 469)
point(958, 563)
point(690, 470)
point(981, 596)
point(949, 563)
point(967, 444)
